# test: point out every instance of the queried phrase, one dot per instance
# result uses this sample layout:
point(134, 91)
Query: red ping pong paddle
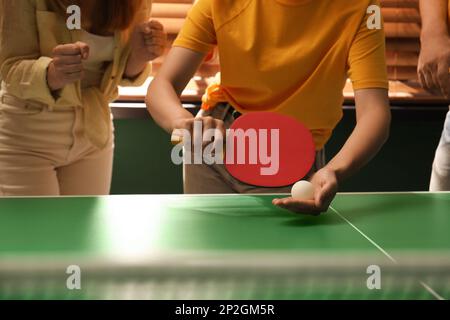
point(266, 149)
point(278, 152)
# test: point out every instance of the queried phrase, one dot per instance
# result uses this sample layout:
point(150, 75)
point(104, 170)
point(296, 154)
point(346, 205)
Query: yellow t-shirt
point(290, 56)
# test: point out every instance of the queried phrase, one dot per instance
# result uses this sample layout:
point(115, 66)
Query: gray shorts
point(215, 179)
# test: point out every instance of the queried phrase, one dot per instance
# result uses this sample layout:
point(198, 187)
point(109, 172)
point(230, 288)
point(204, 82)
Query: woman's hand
point(325, 188)
point(67, 65)
point(148, 41)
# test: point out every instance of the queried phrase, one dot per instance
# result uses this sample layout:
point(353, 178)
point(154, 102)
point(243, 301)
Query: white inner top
point(100, 54)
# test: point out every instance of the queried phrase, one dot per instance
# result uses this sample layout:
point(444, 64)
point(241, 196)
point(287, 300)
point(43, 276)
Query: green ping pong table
point(368, 246)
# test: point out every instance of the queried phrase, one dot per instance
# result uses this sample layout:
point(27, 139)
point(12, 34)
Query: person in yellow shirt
point(434, 73)
point(287, 56)
point(56, 131)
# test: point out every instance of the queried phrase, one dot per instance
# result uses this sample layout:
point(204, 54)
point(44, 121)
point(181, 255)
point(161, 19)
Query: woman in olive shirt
point(56, 133)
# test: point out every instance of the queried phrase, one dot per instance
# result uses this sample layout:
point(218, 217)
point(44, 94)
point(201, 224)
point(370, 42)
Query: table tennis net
point(260, 277)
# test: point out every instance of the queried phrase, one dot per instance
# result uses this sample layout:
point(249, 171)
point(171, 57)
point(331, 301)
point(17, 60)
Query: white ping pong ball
point(303, 190)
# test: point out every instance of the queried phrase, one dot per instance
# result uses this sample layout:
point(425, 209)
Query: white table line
point(423, 284)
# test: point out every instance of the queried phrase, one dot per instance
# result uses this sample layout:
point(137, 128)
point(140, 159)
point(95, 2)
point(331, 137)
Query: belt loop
point(3, 99)
point(39, 105)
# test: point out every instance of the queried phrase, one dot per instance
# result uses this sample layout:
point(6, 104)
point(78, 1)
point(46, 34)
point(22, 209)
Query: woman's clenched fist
point(67, 65)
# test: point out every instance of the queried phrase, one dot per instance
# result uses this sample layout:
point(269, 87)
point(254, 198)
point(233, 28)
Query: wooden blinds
point(402, 27)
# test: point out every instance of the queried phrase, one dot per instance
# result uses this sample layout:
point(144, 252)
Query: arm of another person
point(434, 61)
point(27, 74)
point(147, 41)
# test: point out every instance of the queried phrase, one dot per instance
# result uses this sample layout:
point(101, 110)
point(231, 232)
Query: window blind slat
point(167, 10)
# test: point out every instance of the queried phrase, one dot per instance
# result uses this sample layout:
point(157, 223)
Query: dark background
point(143, 166)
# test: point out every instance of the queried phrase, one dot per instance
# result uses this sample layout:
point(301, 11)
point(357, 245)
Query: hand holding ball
point(303, 190)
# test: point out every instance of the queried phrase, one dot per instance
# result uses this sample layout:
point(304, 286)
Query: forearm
point(164, 105)
point(369, 135)
point(434, 18)
point(163, 97)
point(135, 67)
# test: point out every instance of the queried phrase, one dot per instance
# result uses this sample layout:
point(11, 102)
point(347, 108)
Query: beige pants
point(215, 179)
point(45, 153)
